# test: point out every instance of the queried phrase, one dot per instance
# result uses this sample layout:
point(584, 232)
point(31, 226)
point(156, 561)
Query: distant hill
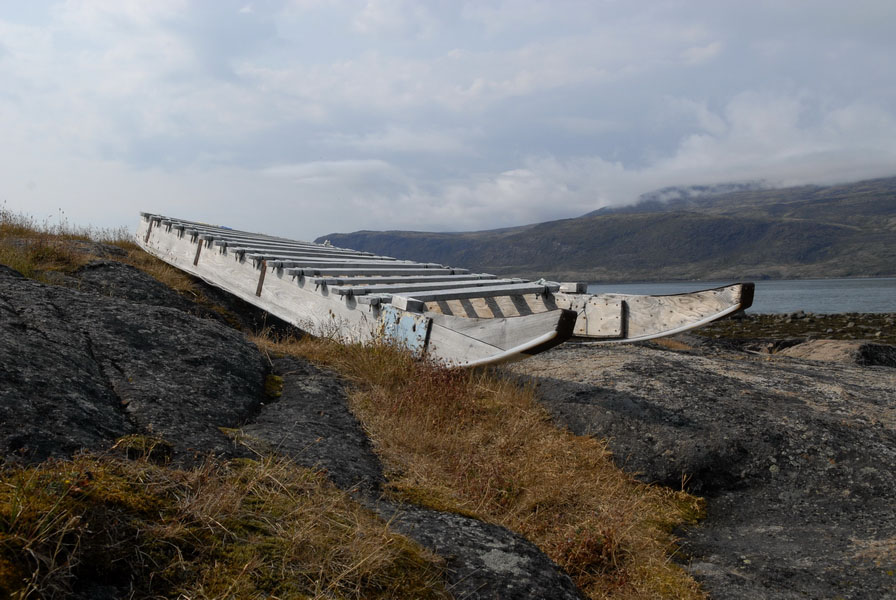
point(738, 232)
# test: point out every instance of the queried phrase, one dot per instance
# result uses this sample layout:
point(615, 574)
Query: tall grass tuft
point(40, 249)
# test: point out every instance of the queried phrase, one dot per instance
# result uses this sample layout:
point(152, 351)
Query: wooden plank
point(359, 290)
point(485, 292)
point(515, 291)
point(206, 228)
point(573, 287)
point(253, 252)
point(263, 246)
point(231, 237)
point(283, 262)
point(301, 261)
point(396, 279)
point(234, 237)
point(345, 264)
point(249, 246)
point(394, 270)
point(374, 299)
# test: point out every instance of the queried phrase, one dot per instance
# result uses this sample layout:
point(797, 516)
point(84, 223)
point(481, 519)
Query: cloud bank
point(305, 117)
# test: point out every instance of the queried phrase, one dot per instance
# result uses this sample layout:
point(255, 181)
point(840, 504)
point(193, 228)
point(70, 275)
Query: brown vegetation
point(240, 529)
point(477, 443)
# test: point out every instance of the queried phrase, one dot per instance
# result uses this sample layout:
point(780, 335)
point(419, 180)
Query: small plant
point(273, 386)
point(145, 447)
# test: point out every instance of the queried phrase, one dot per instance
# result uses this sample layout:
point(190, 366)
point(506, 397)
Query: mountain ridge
point(846, 230)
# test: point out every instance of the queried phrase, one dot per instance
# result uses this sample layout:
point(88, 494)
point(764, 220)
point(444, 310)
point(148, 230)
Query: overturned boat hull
point(295, 281)
point(445, 313)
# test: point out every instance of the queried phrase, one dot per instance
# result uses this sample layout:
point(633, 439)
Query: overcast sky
point(305, 117)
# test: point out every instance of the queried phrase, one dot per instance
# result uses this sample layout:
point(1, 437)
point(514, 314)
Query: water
point(864, 295)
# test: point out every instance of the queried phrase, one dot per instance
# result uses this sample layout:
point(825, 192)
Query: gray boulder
point(80, 369)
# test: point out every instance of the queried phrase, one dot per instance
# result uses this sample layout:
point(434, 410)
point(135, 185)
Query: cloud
point(447, 115)
point(695, 55)
point(324, 172)
point(394, 17)
point(406, 141)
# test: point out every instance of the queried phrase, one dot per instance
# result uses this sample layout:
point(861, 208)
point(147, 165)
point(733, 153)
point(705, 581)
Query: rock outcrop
point(80, 369)
point(796, 458)
point(113, 352)
point(844, 351)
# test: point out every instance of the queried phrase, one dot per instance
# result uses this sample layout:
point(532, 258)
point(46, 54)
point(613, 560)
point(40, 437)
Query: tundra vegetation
point(471, 442)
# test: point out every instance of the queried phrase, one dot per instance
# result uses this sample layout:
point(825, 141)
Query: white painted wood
point(486, 291)
point(576, 287)
point(313, 308)
point(373, 280)
point(411, 288)
point(301, 257)
point(323, 263)
point(408, 304)
point(461, 294)
point(477, 318)
point(395, 270)
point(300, 252)
point(650, 317)
point(509, 333)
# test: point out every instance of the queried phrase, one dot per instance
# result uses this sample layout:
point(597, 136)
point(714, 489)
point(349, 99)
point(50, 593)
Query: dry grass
point(34, 249)
point(41, 251)
point(243, 529)
point(478, 444)
point(160, 270)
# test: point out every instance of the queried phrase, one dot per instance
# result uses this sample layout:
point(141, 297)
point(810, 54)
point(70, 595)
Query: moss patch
point(273, 386)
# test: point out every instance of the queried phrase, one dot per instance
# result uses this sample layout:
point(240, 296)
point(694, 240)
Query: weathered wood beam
point(394, 270)
point(396, 279)
point(463, 293)
point(396, 288)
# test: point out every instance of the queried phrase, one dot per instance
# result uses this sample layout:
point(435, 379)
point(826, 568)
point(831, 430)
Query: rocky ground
point(112, 352)
point(800, 326)
point(795, 456)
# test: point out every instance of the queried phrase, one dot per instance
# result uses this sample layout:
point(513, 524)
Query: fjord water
point(862, 295)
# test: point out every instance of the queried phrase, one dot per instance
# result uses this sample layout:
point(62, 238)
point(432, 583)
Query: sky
point(306, 117)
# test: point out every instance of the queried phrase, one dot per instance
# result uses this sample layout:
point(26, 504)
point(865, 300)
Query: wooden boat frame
point(445, 313)
point(295, 282)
